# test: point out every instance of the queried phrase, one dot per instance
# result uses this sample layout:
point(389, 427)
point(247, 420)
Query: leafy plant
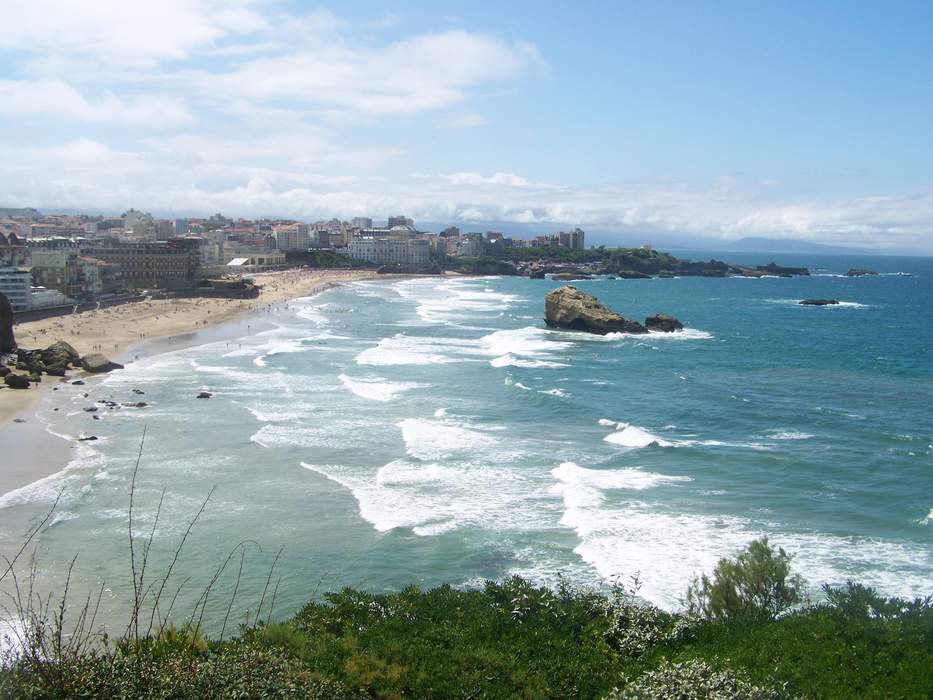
point(691, 680)
point(757, 583)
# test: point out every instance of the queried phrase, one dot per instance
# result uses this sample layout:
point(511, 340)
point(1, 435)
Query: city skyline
point(707, 124)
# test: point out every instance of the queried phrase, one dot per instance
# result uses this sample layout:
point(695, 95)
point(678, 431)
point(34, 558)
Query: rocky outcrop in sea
point(569, 308)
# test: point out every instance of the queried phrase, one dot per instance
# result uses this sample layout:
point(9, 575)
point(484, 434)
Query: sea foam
point(377, 388)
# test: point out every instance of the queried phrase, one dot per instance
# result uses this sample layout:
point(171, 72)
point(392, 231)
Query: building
point(40, 298)
point(292, 237)
point(361, 222)
point(139, 226)
point(13, 250)
point(391, 251)
point(74, 275)
point(468, 246)
point(165, 264)
point(181, 227)
point(55, 230)
point(400, 221)
point(16, 285)
point(248, 262)
point(576, 237)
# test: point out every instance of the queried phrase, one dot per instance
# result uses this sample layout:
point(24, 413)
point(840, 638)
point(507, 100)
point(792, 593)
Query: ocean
point(433, 430)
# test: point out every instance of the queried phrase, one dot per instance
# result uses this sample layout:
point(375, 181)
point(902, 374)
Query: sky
point(713, 121)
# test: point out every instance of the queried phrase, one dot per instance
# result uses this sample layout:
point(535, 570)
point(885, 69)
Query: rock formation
point(569, 308)
point(663, 323)
point(860, 272)
point(7, 341)
point(16, 381)
point(95, 362)
point(818, 302)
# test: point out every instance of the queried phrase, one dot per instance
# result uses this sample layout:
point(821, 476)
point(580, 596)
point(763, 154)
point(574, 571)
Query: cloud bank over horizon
point(257, 107)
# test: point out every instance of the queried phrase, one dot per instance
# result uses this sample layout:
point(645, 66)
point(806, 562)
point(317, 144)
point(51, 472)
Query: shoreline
point(36, 453)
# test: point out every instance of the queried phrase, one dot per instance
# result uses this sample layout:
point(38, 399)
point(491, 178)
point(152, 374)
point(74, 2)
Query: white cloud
point(304, 147)
point(57, 99)
point(423, 72)
point(132, 32)
point(190, 174)
point(462, 121)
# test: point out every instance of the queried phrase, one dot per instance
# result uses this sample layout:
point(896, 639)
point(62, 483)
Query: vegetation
point(613, 260)
point(323, 259)
point(757, 583)
point(740, 638)
point(485, 265)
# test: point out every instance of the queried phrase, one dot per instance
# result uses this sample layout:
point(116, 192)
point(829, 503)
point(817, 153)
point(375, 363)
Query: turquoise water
point(432, 430)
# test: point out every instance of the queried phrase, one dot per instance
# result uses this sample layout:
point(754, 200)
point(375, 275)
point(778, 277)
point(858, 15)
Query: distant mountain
point(788, 245)
point(29, 212)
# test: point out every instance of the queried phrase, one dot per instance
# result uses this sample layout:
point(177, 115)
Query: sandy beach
point(116, 330)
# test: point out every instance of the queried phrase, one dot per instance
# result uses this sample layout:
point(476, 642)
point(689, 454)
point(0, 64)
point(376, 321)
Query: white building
point(292, 237)
point(42, 297)
point(468, 246)
point(391, 251)
point(16, 285)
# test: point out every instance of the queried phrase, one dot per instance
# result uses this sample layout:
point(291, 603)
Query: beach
point(120, 332)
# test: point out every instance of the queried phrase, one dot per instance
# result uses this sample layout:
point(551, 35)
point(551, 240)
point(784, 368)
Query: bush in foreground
point(757, 583)
point(512, 639)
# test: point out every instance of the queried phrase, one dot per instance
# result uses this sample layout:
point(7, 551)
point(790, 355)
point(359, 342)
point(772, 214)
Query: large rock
point(95, 362)
point(571, 309)
point(663, 323)
point(860, 272)
point(60, 353)
point(818, 302)
point(7, 341)
point(16, 381)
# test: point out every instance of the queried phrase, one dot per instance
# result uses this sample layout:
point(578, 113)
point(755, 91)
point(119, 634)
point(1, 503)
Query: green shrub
point(757, 583)
point(691, 680)
point(237, 672)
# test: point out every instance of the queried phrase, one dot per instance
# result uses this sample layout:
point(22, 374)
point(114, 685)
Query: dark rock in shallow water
point(204, 395)
point(87, 439)
point(90, 409)
point(7, 339)
point(95, 362)
point(818, 302)
point(138, 391)
point(860, 272)
point(571, 309)
point(16, 381)
point(664, 323)
point(632, 275)
point(78, 382)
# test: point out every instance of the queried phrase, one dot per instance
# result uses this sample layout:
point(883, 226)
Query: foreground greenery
point(738, 639)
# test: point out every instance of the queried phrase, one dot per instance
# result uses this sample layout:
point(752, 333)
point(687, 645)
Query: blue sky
point(713, 120)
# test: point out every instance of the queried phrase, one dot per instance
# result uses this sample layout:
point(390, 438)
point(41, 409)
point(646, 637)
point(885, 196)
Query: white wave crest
point(633, 437)
point(402, 349)
point(377, 388)
point(428, 440)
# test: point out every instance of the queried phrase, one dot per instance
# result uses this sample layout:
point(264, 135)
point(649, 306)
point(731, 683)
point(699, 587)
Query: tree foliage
point(757, 583)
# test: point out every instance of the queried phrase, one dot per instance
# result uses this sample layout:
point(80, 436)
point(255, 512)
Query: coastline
point(32, 450)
